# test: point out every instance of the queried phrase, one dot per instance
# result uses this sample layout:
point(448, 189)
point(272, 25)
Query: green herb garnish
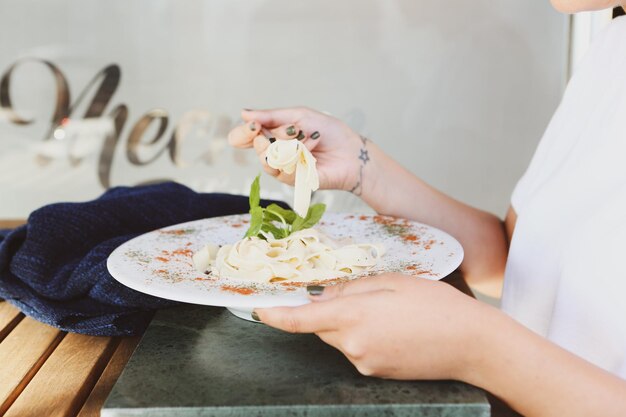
point(276, 220)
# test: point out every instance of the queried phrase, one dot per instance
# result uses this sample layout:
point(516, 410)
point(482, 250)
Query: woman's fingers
point(385, 282)
point(309, 318)
point(243, 135)
point(288, 123)
point(261, 143)
point(279, 124)
point(274, 117)
point(288, 131)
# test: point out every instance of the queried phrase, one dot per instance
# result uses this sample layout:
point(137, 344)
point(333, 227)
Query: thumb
point(389, 282)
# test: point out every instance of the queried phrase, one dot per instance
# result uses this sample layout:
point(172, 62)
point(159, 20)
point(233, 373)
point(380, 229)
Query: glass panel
point(96, 94)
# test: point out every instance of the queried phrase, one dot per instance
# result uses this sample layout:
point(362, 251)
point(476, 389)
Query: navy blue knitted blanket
point(54, 267)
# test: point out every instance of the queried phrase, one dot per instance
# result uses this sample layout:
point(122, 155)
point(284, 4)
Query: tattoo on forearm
point(364, 158)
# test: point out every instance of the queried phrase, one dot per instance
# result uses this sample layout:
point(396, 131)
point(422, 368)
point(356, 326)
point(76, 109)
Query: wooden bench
point(47, 372)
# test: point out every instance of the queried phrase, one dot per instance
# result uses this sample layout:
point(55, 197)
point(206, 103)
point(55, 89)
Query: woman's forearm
point(391, 189)
point(536, 377)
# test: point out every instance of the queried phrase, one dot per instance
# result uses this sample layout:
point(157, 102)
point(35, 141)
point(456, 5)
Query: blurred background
point(98, 94)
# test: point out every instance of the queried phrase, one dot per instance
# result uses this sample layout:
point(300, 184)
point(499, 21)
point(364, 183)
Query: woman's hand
point(335, 146)
point(346, 161)
point(391, 326)
point(394, 326)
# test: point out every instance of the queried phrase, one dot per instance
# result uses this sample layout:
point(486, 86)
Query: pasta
point(306, 255)
point(289, 156)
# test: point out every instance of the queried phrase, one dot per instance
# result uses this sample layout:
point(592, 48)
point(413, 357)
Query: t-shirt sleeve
point(538, 170)
point(560, 136)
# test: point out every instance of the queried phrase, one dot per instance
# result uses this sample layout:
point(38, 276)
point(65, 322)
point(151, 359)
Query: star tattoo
point(365, 157)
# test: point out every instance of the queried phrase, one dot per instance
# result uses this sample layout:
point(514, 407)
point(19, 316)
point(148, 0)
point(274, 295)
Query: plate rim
point(294, 298)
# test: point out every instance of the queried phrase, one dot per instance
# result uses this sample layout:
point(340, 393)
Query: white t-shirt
point(566, 273)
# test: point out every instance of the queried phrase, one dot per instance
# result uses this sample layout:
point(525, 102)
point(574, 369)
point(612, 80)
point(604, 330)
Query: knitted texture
point(54, 267)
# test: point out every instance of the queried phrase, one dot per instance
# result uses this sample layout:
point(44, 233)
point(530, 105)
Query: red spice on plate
point(204, 279)
point(410, 238)
point(176, 232)
point(415, 270)
point(428, 245)
point(301, 284)
point(238, 290)
point(167, 256)
point(183, 252)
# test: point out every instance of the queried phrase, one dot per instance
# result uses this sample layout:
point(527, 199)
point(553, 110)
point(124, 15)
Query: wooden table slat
point(105, 384)
point(63, 383)
point(46, 372)
point(26, 349)
point(9, 318)
point(10, 224)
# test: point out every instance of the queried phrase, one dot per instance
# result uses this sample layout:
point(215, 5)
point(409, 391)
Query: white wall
point(458, 91)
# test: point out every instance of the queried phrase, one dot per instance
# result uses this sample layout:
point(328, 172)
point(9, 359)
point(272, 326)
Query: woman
point(558, 348)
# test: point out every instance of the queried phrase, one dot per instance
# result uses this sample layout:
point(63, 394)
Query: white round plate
point(159, 262)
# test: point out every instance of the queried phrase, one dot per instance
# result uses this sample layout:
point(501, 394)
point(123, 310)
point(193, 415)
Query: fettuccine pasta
point(289, 156)
point(306, 255)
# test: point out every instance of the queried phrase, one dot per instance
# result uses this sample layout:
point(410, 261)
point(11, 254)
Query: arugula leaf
point(256, 221)
point(297, 224)
point(277, 232)
point(313, 215)
point(288, 215)
point(264, 219)
point(255, 193)
point(269, 217)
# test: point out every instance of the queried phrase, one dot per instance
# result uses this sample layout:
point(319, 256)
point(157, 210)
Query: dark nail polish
point(300, 136)
point(252, 126)
point(272, 140)
point(255, 316)
point(315, 135)
point(291, 130)
point(315, 290)
point(266, 159)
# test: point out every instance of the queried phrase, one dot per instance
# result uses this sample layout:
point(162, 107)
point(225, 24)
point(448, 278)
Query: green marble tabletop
point(203, 361)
